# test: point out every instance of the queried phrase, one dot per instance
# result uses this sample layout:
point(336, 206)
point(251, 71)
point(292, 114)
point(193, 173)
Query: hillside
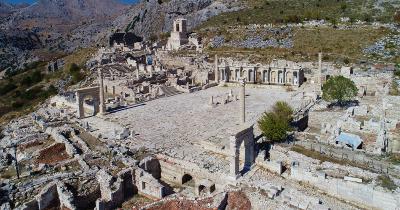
point(350, 31)
point(63, 26)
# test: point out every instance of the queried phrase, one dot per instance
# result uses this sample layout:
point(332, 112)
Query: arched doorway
point(88, 97)
point(273, 77)
point(237, 75)
point(265, 76)
point(202, 190)
point(245, 137)
point(280, 77)
point(251, 75)
point(295, 78)
point(187, 179)
point(89, 105)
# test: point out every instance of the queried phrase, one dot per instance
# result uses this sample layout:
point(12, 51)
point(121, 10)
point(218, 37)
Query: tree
point(75, 72)
point(339, 89)
point(275, 124)
point(397, 17)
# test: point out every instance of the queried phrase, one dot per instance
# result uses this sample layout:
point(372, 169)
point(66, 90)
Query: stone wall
point(59, 138)
point(365, 194)
point(115, 190)
point(48, 197)
point(174, 169)
point(65, 196)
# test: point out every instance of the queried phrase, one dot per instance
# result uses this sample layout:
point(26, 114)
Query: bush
point(7, 88)
point(32, 78)
point(397, 73)
point(394, 89)
point(75, 72)
point(396, 17)
point(17, 104)
point(275, 124)
point(339, 89)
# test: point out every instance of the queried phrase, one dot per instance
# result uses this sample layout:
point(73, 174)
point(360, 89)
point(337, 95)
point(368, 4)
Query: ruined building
point(278, 72)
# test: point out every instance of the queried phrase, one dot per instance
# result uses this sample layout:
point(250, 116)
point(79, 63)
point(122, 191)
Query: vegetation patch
point(386, 182)
point(294, 11)
point(336, 44)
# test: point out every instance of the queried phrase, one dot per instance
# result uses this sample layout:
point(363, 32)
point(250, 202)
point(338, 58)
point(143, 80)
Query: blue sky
point(31, 1)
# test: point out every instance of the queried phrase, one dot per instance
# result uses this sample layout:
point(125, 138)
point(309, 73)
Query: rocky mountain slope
point(151, 17)
point(62, 26)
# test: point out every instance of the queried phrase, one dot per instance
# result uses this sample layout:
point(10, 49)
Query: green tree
point(397, 17)
point(339, 89)
point(397, 73)
point(75, 72)
point(275, 124)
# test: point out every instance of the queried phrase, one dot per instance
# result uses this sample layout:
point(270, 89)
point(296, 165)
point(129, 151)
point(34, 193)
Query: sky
point(31, 1)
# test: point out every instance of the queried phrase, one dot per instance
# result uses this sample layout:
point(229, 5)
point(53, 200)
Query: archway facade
point(82, 94)
point(246, 136)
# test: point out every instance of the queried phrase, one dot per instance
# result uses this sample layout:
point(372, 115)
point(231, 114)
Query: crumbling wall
point(48, 197)
point(59, 138)
point(152, 166)
point(148, 185)
point(365, 194)
point(114, 191)
point(65, 196)
point(31, 205)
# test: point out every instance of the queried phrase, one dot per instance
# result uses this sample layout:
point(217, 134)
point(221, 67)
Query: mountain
point(152, 17)
point(64, 14)
point(62, 26)
point(5, 8)
point(49, 25)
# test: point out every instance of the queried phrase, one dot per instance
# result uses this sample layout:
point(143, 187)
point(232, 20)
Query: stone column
point(151, 71)
point(137, 71)
point(216, 68)
point(102, 100)
point(80, 111)
point(242, 101)
point(319, 74)
point(234, 159)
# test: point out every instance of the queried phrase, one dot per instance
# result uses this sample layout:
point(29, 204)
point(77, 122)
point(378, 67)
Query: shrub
point(397, 17)
point(276, 124)
point(7, 88)
point(75, 72)
point(339, 89)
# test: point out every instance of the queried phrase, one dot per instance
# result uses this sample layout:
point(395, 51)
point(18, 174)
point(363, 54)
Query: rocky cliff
point(66, 25)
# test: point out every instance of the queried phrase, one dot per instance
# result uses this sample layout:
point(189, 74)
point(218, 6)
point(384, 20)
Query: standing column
point(242, 101)
point(319, 71)
point(216, 68)
point(102, 101)
point(137, 71)
point(234, 159)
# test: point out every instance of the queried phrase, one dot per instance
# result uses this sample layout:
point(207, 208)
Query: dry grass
point(281, 11)
point(336, 45)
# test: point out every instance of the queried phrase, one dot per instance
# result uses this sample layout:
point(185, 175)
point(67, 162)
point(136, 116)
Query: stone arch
point(201, 189)
point(237, 74)
point(280, 77)
point(295, 78)
point(250, 75)
point(273, 78)
point(289, 77)
point(89, 100)
point(186, 178)
point(265, 76)
point(82, 94)
point(246, 136)
point(232, 75)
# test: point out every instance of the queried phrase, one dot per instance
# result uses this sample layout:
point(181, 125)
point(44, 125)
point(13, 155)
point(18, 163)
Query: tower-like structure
point(102, 98)
point(178, 34)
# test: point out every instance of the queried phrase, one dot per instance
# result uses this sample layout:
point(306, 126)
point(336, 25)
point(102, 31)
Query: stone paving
point(173, 125)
